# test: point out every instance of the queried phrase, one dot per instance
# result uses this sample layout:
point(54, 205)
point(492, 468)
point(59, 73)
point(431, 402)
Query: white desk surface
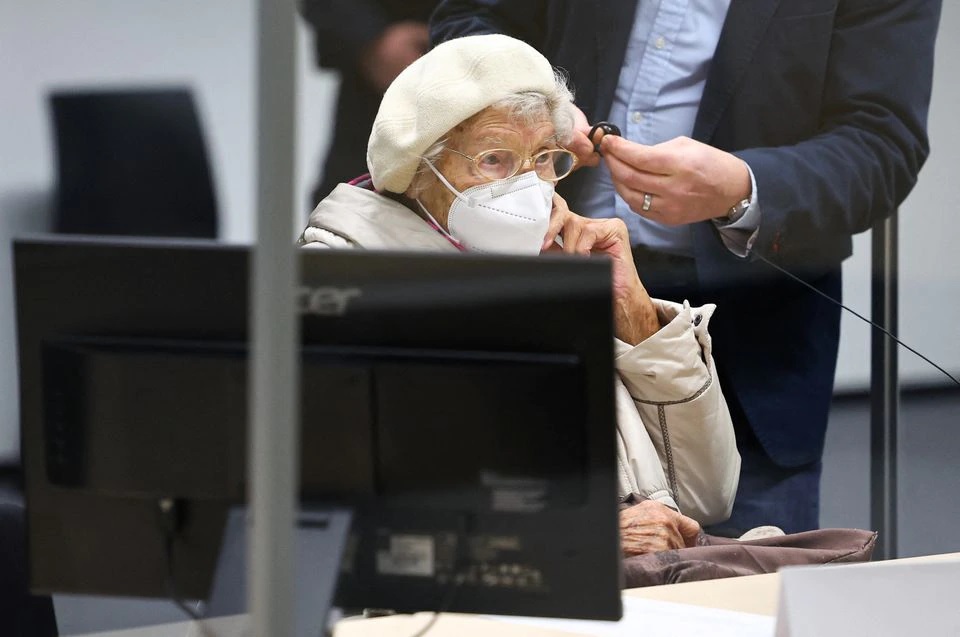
point(755, 594)
point(751, 594)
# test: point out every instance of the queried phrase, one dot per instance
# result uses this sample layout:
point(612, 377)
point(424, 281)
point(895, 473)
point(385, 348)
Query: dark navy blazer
point(827, 101)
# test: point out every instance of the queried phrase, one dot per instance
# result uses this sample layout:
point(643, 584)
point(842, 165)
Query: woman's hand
point(649, 527)
point(580, 144)
point(634, 314)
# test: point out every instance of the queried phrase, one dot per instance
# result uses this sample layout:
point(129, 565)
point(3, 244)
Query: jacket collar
point(375, 222)
point(746, 22)
point(614, 21)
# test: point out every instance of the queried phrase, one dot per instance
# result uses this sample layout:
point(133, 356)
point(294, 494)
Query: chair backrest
point(132, 162)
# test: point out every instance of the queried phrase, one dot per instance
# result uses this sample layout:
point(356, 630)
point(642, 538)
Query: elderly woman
point(464, 155)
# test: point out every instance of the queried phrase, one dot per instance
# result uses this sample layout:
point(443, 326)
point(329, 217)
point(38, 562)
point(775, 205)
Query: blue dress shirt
point(658, 95)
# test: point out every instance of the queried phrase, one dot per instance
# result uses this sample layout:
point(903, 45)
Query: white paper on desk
point(651, 618)
point(879, 599)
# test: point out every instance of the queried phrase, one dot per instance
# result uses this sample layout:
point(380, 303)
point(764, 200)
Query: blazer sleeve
point(672, 380)
point(871, 141)
point(523, 19)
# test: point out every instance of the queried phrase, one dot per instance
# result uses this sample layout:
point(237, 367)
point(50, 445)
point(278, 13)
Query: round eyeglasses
point(502, 163)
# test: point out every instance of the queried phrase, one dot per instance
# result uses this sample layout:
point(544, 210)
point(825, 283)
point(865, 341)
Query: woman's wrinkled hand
point(634, 314)
point(580, 145)
point(650, 526)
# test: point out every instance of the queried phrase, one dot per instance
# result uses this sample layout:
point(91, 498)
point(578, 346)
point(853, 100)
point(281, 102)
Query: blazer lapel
point(614, 21)
point(743, 28)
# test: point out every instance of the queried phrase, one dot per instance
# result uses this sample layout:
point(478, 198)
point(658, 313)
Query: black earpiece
point(607, 128)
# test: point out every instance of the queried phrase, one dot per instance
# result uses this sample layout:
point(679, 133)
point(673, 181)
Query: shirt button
point(697, 320)
point(660, 42)
point(637, 117)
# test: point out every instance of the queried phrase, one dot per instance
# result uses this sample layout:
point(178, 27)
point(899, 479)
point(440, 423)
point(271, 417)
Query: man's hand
point(649, 527)
point(689, 181)
point(634, 314)
point(397, 48)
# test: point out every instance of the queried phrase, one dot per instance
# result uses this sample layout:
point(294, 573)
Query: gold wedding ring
point(647, 201)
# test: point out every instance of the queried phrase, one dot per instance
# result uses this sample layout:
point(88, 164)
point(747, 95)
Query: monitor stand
point(321, 537)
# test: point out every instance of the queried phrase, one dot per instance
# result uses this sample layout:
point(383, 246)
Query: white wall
point(209, 46)
point(929, 245)
point(46, 44)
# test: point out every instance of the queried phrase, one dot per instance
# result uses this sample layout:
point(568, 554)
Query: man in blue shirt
point(751, 128)
point(658, 93)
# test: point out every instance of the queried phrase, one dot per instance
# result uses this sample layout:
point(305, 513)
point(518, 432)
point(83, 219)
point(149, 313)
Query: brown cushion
point(718, 557)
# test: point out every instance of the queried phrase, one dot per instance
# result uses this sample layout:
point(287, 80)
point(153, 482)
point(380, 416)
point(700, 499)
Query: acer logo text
point(327, 301)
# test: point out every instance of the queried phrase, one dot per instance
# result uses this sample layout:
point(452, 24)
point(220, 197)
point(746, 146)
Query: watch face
point(735, 213)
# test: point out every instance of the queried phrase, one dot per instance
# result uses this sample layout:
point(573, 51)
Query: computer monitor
point(463, 401)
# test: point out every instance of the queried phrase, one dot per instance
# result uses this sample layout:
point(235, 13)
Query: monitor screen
point(460, 403)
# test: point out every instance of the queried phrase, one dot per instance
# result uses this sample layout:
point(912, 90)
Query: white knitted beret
point(449, 84)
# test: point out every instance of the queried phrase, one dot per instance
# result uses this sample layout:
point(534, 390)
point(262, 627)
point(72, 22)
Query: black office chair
point(131, 162)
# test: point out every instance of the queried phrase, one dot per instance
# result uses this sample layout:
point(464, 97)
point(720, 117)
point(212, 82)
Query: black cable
point(611, 129)
point(836, 302)
point(169, 521)
point(458, 573)
point(429, 626)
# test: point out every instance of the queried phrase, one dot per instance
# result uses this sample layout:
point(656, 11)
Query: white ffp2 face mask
point(509, 216)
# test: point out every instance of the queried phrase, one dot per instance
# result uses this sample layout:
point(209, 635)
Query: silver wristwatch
point(734, 214)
